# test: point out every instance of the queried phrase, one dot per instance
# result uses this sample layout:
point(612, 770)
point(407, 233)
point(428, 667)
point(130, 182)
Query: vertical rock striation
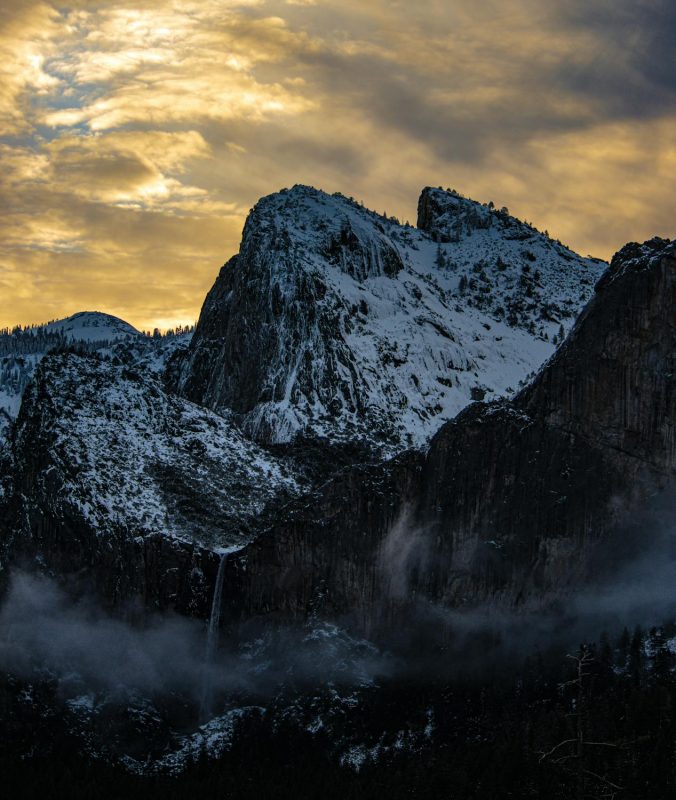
point(514, 499)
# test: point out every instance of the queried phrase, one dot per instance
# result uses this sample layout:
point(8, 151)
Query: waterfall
point(212, 640)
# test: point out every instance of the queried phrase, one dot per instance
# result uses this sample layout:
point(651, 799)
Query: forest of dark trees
point(39, 339)
point(595, 723)
point(20, 347)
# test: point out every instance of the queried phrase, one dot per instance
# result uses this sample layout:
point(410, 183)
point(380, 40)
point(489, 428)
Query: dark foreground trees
point(599, 724)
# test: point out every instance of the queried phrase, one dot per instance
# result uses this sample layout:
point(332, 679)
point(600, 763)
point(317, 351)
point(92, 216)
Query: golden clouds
point(625, 172)
point(25, 30)
point(171, 65)
point(136, 133)
point(102, 212)
point(127, 167)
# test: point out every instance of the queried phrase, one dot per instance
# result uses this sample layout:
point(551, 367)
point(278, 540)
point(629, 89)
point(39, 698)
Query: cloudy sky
point(135, 136)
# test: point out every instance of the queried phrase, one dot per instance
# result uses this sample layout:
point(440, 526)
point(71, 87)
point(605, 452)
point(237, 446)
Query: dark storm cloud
point(440, 112)
point(617, 62)
point(631, 69)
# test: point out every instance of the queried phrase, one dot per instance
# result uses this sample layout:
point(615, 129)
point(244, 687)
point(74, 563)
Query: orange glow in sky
point(135, 136)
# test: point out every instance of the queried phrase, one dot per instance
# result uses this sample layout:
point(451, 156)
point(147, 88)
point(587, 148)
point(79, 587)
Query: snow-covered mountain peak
point(339, 322)
point(92, 326)
point(306, 222)
point(448, 217)
point(22, 349)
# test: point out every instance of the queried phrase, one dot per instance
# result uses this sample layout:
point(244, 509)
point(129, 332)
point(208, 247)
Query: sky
point(135, 136)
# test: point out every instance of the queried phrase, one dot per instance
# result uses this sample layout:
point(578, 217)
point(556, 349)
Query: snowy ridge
point(513, 271)
point(132, 457)
point(21, 351)
point(358, 327)
point(92, 326)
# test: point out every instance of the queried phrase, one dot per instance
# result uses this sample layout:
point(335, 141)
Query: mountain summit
point(336, 322)
point(92, 326)
point(300, 467)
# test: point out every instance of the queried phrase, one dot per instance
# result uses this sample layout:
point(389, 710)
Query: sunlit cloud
point(135, 134)
point(26, 29)
point(127, 166)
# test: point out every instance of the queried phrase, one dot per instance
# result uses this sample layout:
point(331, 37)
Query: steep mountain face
point(513, 499)
point(337, 323)
point(532, 279)
point(612, 381)
point(116, 477)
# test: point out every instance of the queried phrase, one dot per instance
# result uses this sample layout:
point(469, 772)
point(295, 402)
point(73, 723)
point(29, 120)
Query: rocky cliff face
point(338, 323)
point(116, 480)
point(612, 381)
point(513, 498)
point(341, 326)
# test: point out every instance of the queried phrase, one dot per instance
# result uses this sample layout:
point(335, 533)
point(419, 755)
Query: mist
point(45, 633)
point(41, 628)
point(632, 583)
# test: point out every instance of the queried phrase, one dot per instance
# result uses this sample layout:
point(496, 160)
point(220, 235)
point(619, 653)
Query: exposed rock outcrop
point(338, 323)
point(130, 488)
point(513, 498)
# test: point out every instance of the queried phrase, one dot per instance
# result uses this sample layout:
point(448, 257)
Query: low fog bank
point(45, 632)
point(42, 628)
point(633, 583)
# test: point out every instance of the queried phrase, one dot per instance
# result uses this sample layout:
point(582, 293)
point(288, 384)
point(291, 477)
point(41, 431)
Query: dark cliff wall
point(613, 380)
point(510, 503)
point(327, 556)
point(513, 499)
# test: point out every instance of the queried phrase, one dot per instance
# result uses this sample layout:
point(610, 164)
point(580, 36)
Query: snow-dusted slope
point(15, 373)
point(334, 321)
point(22, 350)
point(102, 444)
point(92, 326)
point(513, 272)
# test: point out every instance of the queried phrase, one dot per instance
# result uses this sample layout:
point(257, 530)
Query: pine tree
point(635, 665)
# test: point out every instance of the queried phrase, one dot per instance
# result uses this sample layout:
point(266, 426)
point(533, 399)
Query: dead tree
point(571, 754)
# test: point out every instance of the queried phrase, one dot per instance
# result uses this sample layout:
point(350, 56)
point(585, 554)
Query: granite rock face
point(514, 500)
point(128, 489)
point(612, 381)
point(267, 439)
point(337, 323)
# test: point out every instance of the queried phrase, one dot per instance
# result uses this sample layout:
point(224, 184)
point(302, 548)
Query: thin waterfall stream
point(212, 640)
